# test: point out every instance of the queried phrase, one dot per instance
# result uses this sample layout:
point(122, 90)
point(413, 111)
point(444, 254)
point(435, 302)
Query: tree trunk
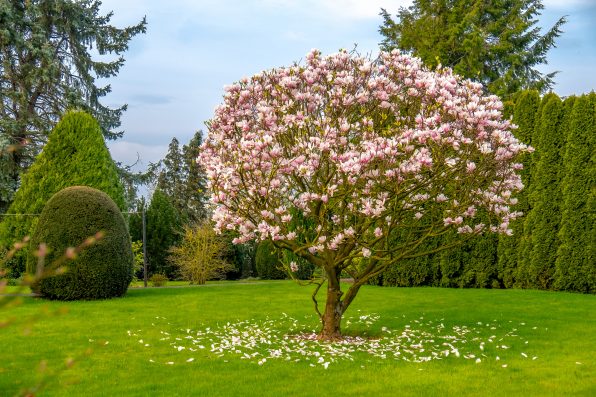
point(332, 316)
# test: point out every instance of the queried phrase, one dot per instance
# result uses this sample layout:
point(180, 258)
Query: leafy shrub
point(200, 254)
point(158, 280)
point(268, 263)
point(137, 252)
point(103, 270)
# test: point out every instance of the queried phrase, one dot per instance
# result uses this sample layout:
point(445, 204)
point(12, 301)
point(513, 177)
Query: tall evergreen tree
point(524, 248)
point(75, 154)
point(46, 67)
point(524, 117)
point(196, 180)
point(183, 180)
point(496, 43)
point(172, 176)
point(544, 218)
point(575, 268)
point(164, 230)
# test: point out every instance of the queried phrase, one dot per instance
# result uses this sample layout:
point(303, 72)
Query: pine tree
point(164, 230)
point(545, 197)
point(494, 42)
point(195, 184)
point(524, 117)
point(575, 270)
point(75, 154)
point(171, 179)
point(46, 67)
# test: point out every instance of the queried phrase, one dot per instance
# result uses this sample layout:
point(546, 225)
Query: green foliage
point(75, 154)
point(183, 180)
point(46, 67)
point(575, 268)
point(524, 116)
point(495, 43)
point(268, 262)
point(559, 179)
point(524, 248)
point(200, 254)
point(195, 186)
point(545, 198)
point(171, 179)
point(305, 268)
point(158, 280)
point(102, 270)
point(241, 257)
point(164, 230)
point(138, 257)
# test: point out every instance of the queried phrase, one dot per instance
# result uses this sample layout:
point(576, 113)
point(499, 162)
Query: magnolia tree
point(353, 163)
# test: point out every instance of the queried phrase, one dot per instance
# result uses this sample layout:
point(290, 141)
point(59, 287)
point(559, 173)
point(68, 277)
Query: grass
point(559, 328)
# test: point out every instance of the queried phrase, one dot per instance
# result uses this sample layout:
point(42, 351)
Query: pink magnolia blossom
point(343, 151)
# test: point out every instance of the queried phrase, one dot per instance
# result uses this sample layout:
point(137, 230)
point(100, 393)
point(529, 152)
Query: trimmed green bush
point(101, 270)
point(268, 262)
point(75, 155)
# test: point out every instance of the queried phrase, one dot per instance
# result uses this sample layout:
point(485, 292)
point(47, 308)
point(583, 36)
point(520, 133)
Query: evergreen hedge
point(545, 217)
point(75, 154)
point(554, 243)
point(575, 263)
point(524, 116)
point(103, 269)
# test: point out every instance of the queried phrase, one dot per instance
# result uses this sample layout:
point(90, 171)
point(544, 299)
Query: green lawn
point(558, 359)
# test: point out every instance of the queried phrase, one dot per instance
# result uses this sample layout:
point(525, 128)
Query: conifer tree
point(496, 43)
point(171, 179)
point(75, 154)
point(47, 67)
point(544, 218)
point(575, 270)
point(524, 117)
point(524, 248)
point(195, 183)
point(164, 230)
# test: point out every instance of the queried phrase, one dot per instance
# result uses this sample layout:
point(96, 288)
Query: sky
point(174, 74)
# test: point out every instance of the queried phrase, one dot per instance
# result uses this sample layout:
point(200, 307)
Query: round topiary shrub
point(103, 269)
point(267, 262)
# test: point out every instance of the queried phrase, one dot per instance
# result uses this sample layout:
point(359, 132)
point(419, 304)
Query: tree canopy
point(378, 156)
point(47, 67)
point(496, 43)
point(76, 154)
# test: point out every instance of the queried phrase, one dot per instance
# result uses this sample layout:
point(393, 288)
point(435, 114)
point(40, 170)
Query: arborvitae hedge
point(103, 269)
point(544, 218)
point(554, 244)
point(524, 278)
point(75, 154)
point(524, 116)
point(575, 269)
